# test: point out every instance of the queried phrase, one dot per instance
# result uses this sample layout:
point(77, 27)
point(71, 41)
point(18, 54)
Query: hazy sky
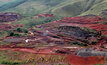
point(4, 0)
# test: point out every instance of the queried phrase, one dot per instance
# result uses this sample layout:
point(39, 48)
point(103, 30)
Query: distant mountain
point(57, 7)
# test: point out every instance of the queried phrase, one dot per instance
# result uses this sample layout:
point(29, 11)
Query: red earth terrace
point(64, 37)
point(53, 32)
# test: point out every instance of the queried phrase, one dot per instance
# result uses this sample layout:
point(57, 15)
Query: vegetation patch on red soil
point(53, 33)
point(43, 15)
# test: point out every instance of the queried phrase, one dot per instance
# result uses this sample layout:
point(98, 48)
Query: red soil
point(6, 26)
point(90, 22)
point(45, 15)
point(72, 59)
point(29, 50)
point(76, 60)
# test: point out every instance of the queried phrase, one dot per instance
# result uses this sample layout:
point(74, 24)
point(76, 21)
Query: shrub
point(60, 64)
point(104, 22)
point(60, 35)
point(16, 35)
point(55, 36)
point(18, 29)
point(25, 31)
point(86, 41)
point(77, 43)
point(11, 34)
point(98, 64)
point(81, 44)
point(93, 42)
point(10, 63)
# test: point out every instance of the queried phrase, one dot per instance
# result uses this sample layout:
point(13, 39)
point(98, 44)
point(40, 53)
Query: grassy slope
point(57, 7)
point(97, 8)
point(11, 4)
point(64, 9)
point(82, 7)
point(31, 7)
point(60, 8)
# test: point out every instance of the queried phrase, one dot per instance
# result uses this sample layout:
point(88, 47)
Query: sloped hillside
point(57, 7)
point(97, 8)
point(81, 7)
point(10, 4)
point(29, 7)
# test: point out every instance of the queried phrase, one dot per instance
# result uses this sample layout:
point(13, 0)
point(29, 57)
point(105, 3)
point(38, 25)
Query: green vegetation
point(77, 43)
point(62, 35)
point(104, 22)
point(97, 8)
point(25, 31)
point(60, 8)
point(10, 57)
point(19, 30)
point(29, 7)
point(3, 34)
point(11, 4)
point(60, 64)
point(84, 40)
point(57, 7)
point(10, 63)
point(90, 30)
point(11, 33)
point(81, 7)
point(30, 22)
point(6, 57)
point(98, 64)
point(94, 42)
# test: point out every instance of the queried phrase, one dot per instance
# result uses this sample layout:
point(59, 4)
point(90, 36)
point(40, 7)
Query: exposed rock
point(63, 51)
point(74, 31)
point(90, 52)
point(6, 17)
point(104, 12)
point(15, 40)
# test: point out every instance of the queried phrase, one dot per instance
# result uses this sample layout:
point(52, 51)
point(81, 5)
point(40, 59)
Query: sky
point(4, 0)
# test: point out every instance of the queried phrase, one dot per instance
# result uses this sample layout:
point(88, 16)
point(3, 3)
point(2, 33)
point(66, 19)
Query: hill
point(81, 7)
point(57, 7)
point(29, 7)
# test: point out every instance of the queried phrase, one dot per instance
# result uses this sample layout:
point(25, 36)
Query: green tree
point(25, 31)
point(94, 42)
point(19, 30)
point(10, 33)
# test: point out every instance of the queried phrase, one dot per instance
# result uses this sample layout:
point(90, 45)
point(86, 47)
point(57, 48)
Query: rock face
point(90, 52)
point(74, 31)
point(104, 12)
point(6, 17)
point(14, 40)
